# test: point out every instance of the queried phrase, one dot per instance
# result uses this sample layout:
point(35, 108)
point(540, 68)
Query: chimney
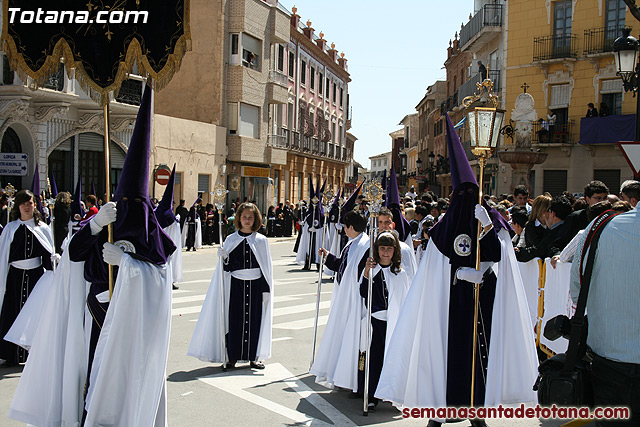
point(308, 31)
point(295, 18)
point(321, 42)
point(333, 53)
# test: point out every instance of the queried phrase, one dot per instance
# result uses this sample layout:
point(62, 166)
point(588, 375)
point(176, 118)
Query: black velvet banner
point(100, 39)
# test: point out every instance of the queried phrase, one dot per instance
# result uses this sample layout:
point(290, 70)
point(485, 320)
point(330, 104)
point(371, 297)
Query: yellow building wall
point(530, 19)
point(527, 20)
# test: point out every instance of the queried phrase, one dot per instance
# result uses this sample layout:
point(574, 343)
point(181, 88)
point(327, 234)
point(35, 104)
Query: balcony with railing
point(130, 92)
point(555, 47)
point(494, 75)
point(560, 133)
point(56, 81)
point(278, 141)
point(307, 145)
point(277, 90)
point(469, 87)
point(600, 40)
point(484, 25)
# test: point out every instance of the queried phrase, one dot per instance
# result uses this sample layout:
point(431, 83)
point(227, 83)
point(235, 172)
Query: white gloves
point(223, 254)
point(105, 216)
point(112, 254)
point(469, 274)
point(55, 259)
point(483, 216)
point(266, 297)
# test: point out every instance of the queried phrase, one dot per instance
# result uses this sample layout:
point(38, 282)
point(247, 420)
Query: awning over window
point(608, 129)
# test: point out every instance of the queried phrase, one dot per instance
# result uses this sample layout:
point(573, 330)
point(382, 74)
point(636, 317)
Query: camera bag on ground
point(565, 379)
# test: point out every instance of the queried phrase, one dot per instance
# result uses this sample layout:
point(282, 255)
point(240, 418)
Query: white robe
point(336, 362)
point(128, 375)
point(175, 260)
point(24, 328)
point(415, 369)
point(50, 390)
point(208, 340)
point(303, 247)
point(397, 287)
point(42, 232)
point(198, 240)
point(333, 246)
point(198, 243)
point(409, 263)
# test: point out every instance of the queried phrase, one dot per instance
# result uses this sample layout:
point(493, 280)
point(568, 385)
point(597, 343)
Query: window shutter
point(560, 96)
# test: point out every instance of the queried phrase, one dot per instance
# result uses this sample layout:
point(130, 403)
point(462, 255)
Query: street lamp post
point(625, 49)
point(484, 127)
point(432, 173)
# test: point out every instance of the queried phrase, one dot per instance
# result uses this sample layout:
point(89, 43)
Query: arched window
point(11, 142)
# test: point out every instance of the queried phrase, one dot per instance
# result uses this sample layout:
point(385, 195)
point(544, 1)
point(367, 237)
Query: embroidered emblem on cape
point(126, 246)
point(462, 245)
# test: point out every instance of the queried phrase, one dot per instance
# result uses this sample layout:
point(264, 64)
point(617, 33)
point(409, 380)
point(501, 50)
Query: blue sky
point(394, 51)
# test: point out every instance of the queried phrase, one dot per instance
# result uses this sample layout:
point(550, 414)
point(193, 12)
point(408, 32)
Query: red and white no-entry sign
point(162, 175)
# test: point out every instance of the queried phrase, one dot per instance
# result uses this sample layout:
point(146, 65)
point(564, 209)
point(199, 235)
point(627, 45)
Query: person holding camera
point(614, 318)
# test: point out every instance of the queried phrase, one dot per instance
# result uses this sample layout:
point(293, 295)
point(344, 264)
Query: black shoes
point(230, 365)
point(433, 423)
point(174, 287)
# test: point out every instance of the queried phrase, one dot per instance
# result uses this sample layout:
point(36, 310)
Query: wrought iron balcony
point(494, 75)
point(600, 40)
point(296, 142)
point(561, 133)
point(558, 46)
point(56, 81)
point(490, 16)
point(469, 87)
point(306, 143)
point(130, 92)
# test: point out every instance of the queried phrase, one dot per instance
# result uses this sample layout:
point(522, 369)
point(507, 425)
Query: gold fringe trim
point(101, 95)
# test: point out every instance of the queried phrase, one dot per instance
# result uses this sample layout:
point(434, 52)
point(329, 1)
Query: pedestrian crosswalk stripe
point(302, 324)
point(196, 281)
point(192, 298)
point(185, 271)
point(301, 308)
point(243, 383)
point(186, 310)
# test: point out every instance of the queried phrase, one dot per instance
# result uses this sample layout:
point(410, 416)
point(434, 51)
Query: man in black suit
point(556, 237)
point(594, 192)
